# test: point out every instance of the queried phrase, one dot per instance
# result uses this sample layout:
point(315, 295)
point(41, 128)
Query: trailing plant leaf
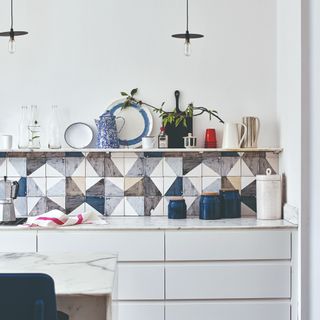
point(124, 94)
point(134, 92)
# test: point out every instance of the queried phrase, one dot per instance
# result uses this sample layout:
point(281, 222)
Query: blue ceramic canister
point(230, 203)
point(210, 206)
point(177, 208)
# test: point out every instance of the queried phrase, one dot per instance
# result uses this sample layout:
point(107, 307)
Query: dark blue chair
point(25, 296)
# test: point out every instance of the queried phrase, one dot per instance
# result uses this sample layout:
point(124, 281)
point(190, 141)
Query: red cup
point(211, 138)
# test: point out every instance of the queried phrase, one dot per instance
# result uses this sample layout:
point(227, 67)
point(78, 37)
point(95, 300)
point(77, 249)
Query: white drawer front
point(139, 282)
point(228, 281)
point(228, 311)
point(228, 245)
point(18, 241)
point(137, 311)
point(130, 246)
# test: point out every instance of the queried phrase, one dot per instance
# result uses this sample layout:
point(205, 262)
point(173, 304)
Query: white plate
point(138, 123)
point(78, 135)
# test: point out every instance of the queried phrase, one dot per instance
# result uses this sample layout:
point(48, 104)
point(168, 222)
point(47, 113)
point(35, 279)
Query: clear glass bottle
point(162, 139)
point(34, 129)
point(23, 129)
point(54, 129)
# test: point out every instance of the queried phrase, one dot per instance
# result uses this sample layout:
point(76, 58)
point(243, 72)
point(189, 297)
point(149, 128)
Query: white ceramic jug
point(231, 138)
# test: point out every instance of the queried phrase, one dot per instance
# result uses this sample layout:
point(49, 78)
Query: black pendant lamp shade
point(11, 34)
point(187, 35)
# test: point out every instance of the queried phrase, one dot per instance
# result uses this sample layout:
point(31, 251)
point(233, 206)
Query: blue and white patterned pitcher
point(107, 131)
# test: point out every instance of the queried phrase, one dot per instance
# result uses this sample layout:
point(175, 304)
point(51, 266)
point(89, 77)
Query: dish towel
point(57, 218)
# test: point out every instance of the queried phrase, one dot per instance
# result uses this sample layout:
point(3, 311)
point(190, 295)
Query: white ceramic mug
point(231, 138)
point(6, 142)
point(148, 142)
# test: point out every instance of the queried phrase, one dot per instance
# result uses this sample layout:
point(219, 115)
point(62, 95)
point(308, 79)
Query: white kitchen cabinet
point(139, 281)
point(18, 241)
point(228, 281)
point(227, 310)
point(138, 311)
point(129, 245)
point(228, 245)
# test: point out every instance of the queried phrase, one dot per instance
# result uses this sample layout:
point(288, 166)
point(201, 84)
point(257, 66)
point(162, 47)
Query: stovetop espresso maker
point(8, 192)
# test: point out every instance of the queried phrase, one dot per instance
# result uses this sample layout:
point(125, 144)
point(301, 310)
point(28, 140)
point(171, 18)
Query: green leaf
point(163, 103)
point(124, 94)
point(185, 122)
point(134, 91)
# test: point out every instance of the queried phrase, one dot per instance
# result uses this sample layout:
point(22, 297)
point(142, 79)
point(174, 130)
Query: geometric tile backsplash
point(131, 184)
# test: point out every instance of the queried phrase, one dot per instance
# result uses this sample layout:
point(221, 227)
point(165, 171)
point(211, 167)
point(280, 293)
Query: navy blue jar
point(230, 203)
point(177, 208)
point(210, 206)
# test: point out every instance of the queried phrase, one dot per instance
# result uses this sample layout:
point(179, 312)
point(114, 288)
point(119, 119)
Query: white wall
point(81, 53)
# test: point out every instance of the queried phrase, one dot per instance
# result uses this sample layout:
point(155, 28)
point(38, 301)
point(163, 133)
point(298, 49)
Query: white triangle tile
point(167, 170)
point(81, 169)
point(51, 182)
point(11, 170)
point(207, 181)
point(236, 170)
point(196, 182)
point(158, 170)
point(167, 183)
point(128, 164)
point(158, 211)
point(119, 209)
point(90, 172)
point(80, 209)
point(32, 201)
point(41, 172)
point(129, 210)
point(245, 181)
point(118, 182)
point(119, 163)
point(158, 182)
point(52, 172)
point(190, 201)
point(91, 181)
point(195, 172)
point(206, 171)
point(41, 183)
point(59, 201)
point(245, 171)
point(3, 168)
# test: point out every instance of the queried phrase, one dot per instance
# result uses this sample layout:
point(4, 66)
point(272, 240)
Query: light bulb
point(187, 48)
point(12, 45)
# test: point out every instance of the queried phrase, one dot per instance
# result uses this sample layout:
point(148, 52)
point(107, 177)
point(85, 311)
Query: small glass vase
point(23, 129)
point(54, 129)
point(34, 129)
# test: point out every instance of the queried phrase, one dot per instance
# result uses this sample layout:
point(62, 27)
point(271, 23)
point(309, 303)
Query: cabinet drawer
point(139, 282)
point(228, 311)
point(137, 311)
point(130, 246)
point(228, 281)
point(228, 245)
point(18, 241)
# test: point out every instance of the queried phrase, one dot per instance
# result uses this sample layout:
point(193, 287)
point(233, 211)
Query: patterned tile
point(36, 187)
point(75, 186)
point(134, 186)
point(192, 165)
point(55, 167)
point(114, 187)
point(3, 167)
point(36, 205)
point(114, 206)
point(56, 203)
point(17, 167)
point(231, 166)
point(172, 167)
point(250, 161)
point(95, 187)
point(36, 167)
point(231, 183)
point(153, 206)
point(212, 166)
point(95, 204)
point(75, 166)
point(114, 167)
point(134, 206)
point(191, 186)
point(56, 187)
point(20, 205)
point(153, 186)
point(173, 186)
point(211, 184)
point(95, 164)
point(193, 206)
point(134, 167)
point(154, 167)
point(22, 192)
point(75, 204)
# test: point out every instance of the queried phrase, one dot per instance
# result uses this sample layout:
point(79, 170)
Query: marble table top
point(74, 274)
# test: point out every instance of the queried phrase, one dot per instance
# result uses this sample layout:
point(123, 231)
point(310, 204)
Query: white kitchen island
point(83, 281)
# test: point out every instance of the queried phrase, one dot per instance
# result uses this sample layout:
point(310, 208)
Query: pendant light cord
point(187, 15)
point(11, 14)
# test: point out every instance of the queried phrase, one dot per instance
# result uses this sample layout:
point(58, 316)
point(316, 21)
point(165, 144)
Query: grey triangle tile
point(134, 186)
point(97, 190)
point(72, 188)
point(114, 187)
point(150, 204)
point(111, 170)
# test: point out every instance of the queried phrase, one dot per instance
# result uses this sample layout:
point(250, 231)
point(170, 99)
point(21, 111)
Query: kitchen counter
point(77, 277)
point(163, 223)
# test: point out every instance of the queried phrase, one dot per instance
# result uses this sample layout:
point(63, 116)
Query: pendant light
point(11, 34)
point(187, 36)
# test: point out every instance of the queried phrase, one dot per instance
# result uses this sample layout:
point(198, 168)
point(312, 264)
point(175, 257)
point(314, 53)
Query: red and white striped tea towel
point(57, 218)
